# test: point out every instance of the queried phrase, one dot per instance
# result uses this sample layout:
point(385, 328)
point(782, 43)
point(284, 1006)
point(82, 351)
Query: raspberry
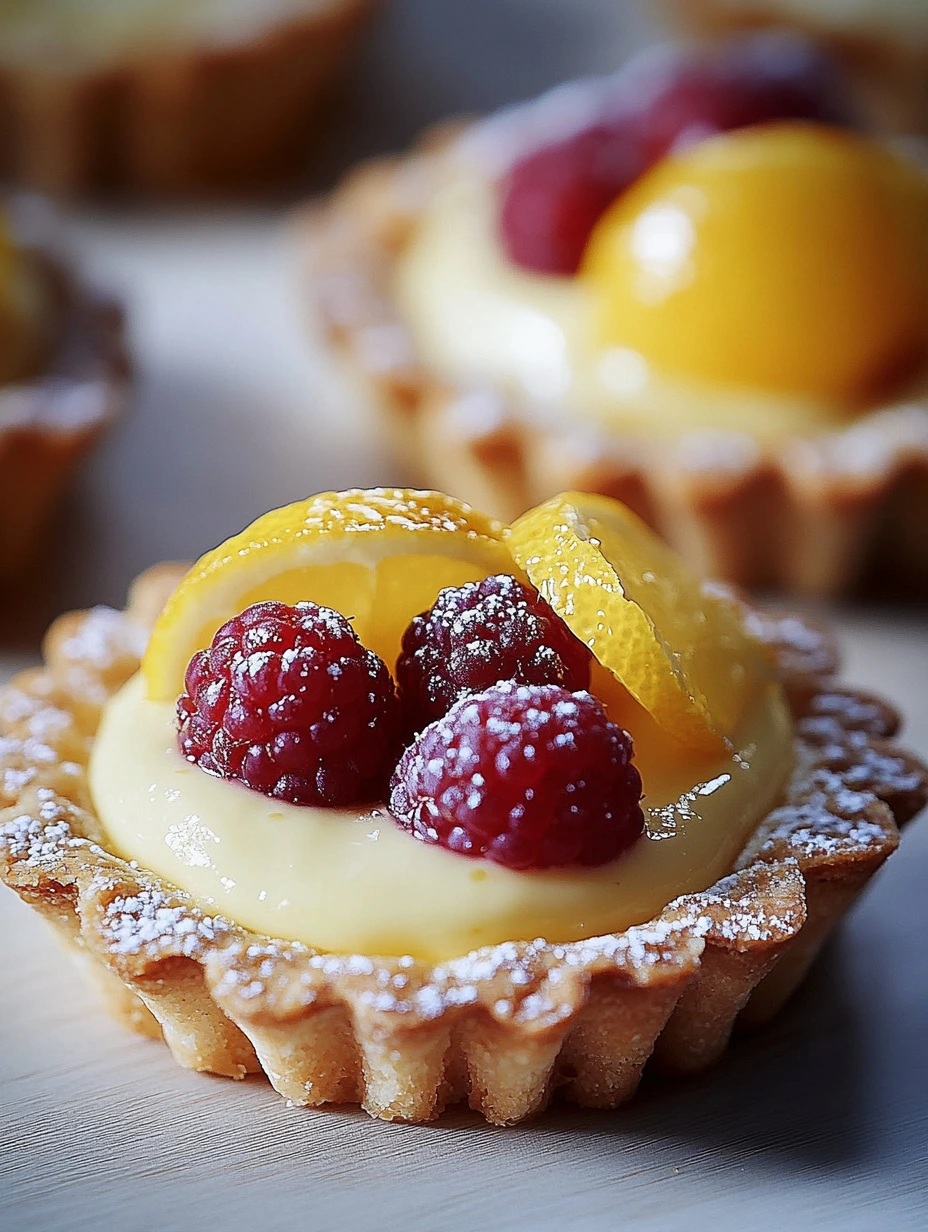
point(477, 634)
point(287, 701)
point(554, 196)
point(528, 776)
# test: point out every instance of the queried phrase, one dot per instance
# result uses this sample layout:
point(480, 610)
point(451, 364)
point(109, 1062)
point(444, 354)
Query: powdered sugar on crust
point(819, 838)
point(527, 982)
point(802, 648)
point(95, 652)
point(148, 921)
point(25, 763)
point(48, 828)
point(762, 906)
point(834, 713)
point(27, 838)
point(100, 639)
point(837, 819)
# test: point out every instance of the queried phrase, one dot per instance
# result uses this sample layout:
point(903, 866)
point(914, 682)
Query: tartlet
point(505, 1027)
point(203, 98)
point(810, 509)
point(65, 376)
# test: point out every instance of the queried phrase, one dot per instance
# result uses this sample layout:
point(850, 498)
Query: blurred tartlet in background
point(882, 43)
point(167, 97)
point(63, 375)
point(696, 286)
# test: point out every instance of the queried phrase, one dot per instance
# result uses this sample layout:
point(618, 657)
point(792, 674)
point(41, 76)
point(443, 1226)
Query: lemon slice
point(378, 556)
point(681, 652)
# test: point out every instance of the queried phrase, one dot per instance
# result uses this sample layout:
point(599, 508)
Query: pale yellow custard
point(477, 319)
point(350, 881)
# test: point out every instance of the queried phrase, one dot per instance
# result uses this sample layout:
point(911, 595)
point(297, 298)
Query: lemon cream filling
point(354, 881)
point(476, 318)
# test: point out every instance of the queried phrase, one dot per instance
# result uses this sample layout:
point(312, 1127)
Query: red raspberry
point(553, 197)
point(528, 776)
point(477, 634)
point(288, 701)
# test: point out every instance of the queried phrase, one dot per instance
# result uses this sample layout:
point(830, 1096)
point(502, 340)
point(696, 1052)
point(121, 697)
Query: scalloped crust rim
point(504, 1028)
point(188, 121)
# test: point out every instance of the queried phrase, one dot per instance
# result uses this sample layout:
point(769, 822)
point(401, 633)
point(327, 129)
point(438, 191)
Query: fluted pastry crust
point(815, 515)
point(185, 121)
point(503, 1028)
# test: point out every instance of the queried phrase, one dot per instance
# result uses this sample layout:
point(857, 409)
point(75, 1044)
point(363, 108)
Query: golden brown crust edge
point(186, 122)
point(815, 518)
point(502, 1028)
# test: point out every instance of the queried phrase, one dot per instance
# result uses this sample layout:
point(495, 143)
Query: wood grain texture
point(819, 1122)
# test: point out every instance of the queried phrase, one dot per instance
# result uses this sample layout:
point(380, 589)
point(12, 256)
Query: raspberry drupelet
point(531, 777)
point(478, 634)
point(287, 701)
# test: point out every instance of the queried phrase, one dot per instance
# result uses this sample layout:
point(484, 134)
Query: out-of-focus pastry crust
point(188, 120)
point(49, 420)
point(815, 516)
point(503, 1028)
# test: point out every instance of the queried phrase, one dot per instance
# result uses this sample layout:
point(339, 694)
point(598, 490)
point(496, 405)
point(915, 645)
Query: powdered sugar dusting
point(863, 766)
point(27, 762)
point(813, 835)
point(149, 921)
point(28, 838)
point(836, 713)
point(832, 815)
point(100, 636)
point(40, 836)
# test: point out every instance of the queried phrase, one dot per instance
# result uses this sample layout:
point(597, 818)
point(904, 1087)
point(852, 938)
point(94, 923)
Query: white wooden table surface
point(820, 1122)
